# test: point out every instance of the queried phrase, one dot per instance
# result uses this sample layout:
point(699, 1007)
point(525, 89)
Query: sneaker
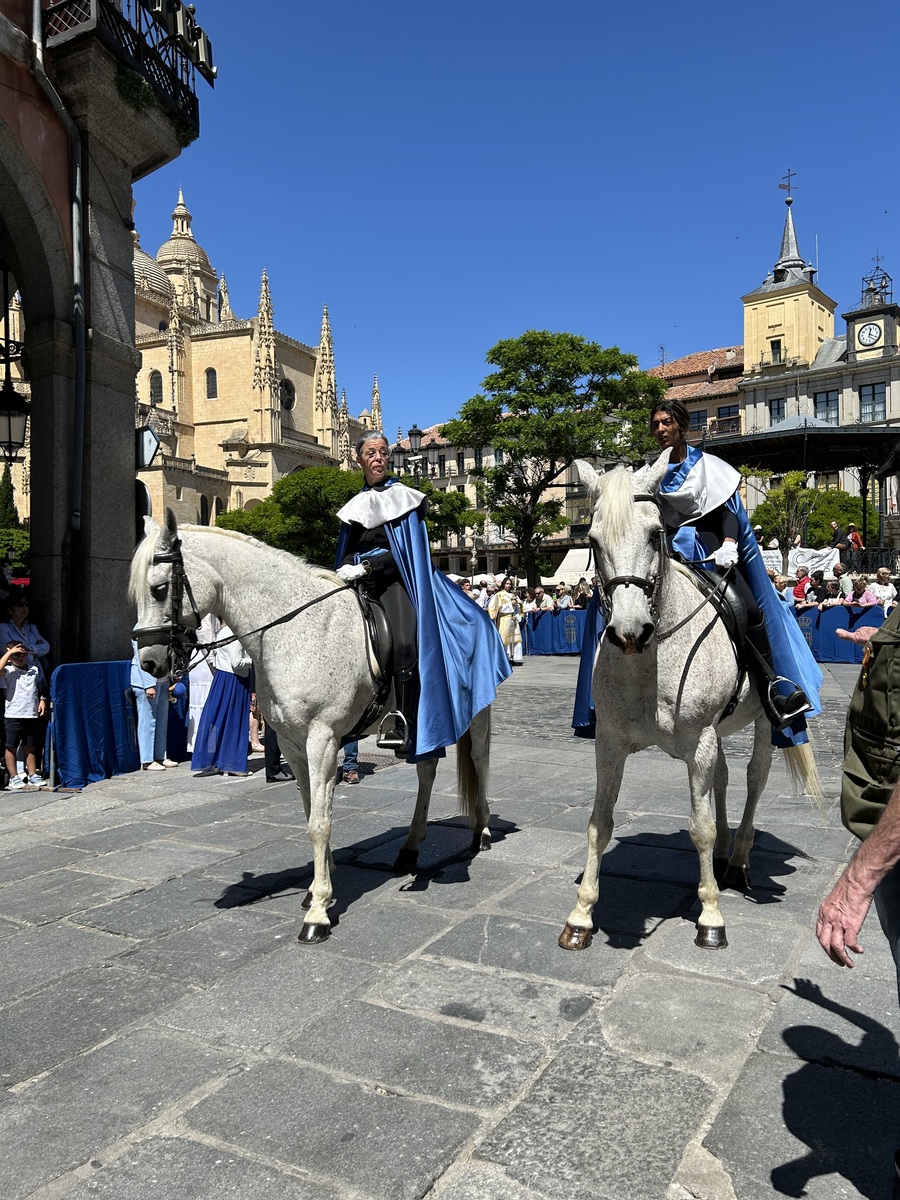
point(36, 780)
point(351, 777)
point(168, 762)
point(154, 766)
point(18, 781)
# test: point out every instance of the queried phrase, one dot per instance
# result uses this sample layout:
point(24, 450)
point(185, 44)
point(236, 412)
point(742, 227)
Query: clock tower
point(872, 328)
point(788, 317)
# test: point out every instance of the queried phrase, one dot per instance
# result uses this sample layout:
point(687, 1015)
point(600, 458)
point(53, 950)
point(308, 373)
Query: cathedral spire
point(265, 369)
point(326, 403)
point(376, 405)
point(345, 460)
point(181, 219)
point(225, 313)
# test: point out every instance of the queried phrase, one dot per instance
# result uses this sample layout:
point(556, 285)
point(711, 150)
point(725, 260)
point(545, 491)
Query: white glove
point(351, 572)
point(726, 555)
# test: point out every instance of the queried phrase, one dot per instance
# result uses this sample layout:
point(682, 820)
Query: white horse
point(313, 675)
point(664, 674)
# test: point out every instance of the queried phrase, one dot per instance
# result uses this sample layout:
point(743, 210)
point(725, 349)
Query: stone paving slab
point(410, 1054)
point(148, 911)
point(60, 1121)
point(390, 1147)
point(570, 1137)
point(811, 1131)
point(58, 894)
point(177, 1167)
point(37, 956)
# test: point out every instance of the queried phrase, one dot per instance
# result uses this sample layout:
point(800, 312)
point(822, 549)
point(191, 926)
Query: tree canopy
point(791, 508)
point(555, 397)
point(9, 516)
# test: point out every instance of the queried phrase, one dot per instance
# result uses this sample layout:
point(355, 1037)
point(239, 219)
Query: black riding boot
point(780, 708)
point(396, 727)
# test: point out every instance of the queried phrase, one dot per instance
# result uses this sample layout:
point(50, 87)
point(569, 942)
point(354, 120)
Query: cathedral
point(235, 403)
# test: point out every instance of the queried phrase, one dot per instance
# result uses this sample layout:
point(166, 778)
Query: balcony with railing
point(167, 60)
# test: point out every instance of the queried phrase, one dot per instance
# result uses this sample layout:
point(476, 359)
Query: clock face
point(869, 334)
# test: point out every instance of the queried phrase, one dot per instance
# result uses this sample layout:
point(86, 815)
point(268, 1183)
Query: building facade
point(236, 403)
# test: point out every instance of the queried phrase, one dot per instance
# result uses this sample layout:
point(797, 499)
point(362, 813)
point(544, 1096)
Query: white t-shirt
point(24, 688)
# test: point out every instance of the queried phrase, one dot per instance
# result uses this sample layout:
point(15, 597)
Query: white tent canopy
point(574, 566)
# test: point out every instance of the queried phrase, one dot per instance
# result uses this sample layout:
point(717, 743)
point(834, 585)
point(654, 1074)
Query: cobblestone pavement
point(162, 1033)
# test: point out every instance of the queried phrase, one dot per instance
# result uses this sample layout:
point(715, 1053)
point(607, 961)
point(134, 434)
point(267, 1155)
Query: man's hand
point(841, 916)
point(860, 635)
point(351, 572)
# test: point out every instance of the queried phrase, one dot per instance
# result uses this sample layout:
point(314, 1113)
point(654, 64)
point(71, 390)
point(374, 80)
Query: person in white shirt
point(882, 589)
point(564, 597)
point(17, 628)
point(26, 703)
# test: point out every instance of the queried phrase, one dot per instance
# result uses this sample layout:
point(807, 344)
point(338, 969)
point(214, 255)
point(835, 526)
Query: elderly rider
point(447, 658)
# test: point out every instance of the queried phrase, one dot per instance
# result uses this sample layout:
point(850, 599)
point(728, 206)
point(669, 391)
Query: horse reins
point(182, 639)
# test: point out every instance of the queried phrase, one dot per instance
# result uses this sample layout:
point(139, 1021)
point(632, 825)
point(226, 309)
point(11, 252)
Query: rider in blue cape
point(706, 520)
point(448, 659)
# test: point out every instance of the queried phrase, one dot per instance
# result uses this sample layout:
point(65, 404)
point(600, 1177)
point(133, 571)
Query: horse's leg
point(579, 929)
point(701, 771)
point(480, 756)
point(722, 848)
point(737, 875)
point(321, 762)
point(408, 854)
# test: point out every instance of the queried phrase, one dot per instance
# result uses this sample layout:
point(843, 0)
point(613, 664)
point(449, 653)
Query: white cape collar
point(375, 507)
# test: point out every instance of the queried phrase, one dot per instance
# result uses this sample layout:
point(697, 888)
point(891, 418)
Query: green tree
point(15, 551)
point(555, 397)
point(791, 508)
point(449, 513)
point(9, 517)
point(300, 514)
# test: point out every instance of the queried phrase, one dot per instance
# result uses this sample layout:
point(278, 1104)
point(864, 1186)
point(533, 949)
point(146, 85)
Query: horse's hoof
point(720, 869)
point(711, 937)
point(737, 879)
point(575, 937)
point(481, 841)
point(406, 861)
point(311, 935)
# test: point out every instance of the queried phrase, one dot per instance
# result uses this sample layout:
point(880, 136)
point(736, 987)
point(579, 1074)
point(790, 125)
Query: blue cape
point(461, 658)
point(791, 655)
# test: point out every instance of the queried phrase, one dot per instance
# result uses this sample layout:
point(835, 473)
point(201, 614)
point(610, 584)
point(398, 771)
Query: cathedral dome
point(181, 247)
point(148, 274)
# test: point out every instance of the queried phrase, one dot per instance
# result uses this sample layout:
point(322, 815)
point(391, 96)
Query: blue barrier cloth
point(552, 632)
point(94, 725)
point(820, 631)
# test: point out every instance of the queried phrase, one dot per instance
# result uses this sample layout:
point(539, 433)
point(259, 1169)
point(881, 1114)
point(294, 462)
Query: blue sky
point(446, 175)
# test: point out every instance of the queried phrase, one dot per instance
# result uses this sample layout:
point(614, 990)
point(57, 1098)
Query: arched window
point(155, 388)
point(220, 507)
point(204, 511)
point(288, 395)
point(212, 384)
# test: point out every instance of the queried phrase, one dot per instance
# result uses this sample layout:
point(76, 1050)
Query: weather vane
point(786, 187)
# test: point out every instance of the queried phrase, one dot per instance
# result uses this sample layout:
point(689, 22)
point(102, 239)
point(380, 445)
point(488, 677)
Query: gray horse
point(668, 689)
point(313, 675)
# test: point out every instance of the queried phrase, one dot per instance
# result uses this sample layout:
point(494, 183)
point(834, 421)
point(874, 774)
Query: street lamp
point(415, 439)
point(432, 449)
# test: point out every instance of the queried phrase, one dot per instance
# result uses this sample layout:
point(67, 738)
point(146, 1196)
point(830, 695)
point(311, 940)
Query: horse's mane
point(143, 556)
point(618, 504)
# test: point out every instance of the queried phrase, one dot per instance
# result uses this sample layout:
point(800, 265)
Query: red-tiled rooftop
point(704, 361)
point(707, 389)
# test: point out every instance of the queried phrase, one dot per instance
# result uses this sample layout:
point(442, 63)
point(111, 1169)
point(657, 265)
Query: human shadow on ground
point(448, 852)
point(846, 1112)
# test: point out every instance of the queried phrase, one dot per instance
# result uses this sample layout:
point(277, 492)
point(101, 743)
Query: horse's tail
point(801, 765)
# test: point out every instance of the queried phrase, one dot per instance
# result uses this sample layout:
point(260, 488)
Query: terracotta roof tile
point(704, 360)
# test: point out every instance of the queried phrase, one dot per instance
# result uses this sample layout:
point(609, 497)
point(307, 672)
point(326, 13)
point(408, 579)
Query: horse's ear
point(587, 475)
point(171, 525)
point(655, 473)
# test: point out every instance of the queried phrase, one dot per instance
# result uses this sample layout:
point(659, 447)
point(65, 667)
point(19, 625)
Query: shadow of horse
point(649, 877)
point(448, 854)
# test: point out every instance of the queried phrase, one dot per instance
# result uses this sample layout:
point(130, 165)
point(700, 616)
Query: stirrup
point(396, 737)
point(788, 708)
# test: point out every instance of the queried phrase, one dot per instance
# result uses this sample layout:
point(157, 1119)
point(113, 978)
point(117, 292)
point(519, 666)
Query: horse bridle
point(182, 639)
point(649, 586)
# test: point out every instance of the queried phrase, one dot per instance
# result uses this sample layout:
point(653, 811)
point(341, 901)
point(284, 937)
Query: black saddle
point(380, 646)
